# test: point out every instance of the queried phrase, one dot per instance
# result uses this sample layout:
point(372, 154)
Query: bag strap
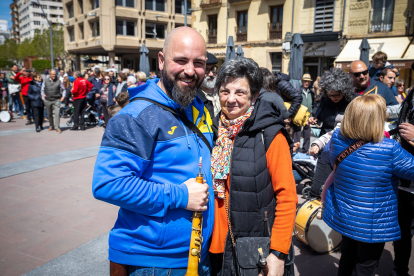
point(228, 220)
point(183, 118)
point(347, 152)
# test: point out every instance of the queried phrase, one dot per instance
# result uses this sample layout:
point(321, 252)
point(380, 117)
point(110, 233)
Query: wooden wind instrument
point(196, 235)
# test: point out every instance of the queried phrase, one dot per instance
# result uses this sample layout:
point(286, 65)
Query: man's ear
point(161, 60)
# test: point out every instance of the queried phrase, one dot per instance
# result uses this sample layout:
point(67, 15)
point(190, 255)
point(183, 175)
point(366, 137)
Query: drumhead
point(5, 116)
point(322, 238)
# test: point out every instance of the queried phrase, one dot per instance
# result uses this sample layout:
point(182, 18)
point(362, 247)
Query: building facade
point(15, 30)
point(31, 18)
point(4, 31)
point(118, 28)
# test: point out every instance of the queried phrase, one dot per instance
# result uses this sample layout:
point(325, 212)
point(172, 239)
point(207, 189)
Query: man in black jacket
point(206, 91)
point(288, 93)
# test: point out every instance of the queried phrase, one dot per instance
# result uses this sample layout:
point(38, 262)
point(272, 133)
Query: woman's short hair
point(268, 80)
point(141, 76)
point(364, 119)
point(380, 57)
point(398, 82)
point(123, 76)
point(241, 68)
point(337, 80)
point(132, 79)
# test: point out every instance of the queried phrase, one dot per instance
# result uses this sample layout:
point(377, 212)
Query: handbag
point(246, 254)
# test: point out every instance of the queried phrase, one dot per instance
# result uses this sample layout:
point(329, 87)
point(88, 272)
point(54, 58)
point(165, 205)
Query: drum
point(6, 116)
point(315, 233)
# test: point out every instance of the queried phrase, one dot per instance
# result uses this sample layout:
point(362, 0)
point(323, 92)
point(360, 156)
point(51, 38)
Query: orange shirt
point(279, 163)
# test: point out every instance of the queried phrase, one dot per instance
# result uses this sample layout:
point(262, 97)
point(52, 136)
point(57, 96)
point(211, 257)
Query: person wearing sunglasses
point(364, 85)
point(107, 96)
point(206, 91)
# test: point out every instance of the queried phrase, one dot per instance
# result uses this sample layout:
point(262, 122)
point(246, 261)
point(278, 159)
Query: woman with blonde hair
point(141, 77)
point(361, 203)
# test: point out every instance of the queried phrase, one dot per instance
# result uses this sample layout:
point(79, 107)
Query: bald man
point(148, 161)
point(364, 85)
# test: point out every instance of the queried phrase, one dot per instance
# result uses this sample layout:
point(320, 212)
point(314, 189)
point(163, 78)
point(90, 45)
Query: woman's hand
point(314, 150)
point(312, 120)
point(407, 131)
point(275, 266)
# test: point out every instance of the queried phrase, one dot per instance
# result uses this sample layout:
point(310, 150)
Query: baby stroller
point(66, 111)
point(88, 115)
point(303, 167)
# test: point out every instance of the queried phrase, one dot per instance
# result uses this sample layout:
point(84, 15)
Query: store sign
point(321, 49)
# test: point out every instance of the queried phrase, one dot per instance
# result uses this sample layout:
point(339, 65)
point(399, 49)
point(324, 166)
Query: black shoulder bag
point(184, 119)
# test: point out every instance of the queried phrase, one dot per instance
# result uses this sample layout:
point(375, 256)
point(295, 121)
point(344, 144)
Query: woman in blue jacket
point(35, 95)
point(361, 204)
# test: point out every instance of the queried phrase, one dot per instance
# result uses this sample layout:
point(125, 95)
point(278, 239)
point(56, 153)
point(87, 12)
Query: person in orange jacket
point(81, 87)
point(24, 78)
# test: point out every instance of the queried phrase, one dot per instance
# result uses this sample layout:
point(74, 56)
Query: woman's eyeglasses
point(335, 96)
point(357, 74)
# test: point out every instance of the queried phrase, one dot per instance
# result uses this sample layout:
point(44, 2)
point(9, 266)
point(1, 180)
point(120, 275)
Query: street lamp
point(51, 31)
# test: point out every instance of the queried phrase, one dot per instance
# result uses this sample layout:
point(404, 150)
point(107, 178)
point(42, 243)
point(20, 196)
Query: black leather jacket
point(288, 93)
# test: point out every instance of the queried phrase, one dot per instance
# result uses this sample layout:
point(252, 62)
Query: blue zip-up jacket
point(362, 201)
point(145, 157)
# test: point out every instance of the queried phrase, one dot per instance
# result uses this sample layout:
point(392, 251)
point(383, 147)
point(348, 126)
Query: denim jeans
point(18, 106)
point(204, 269)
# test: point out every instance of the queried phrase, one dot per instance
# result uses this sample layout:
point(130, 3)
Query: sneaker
point(23, 117)
point(51, 128)
point(58, 131)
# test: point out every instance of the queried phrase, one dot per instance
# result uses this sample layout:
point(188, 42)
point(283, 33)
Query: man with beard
point(206, 91)
point(148, 161)
point(364, 85)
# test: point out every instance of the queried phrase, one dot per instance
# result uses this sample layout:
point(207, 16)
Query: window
point(70, 10)
point(81, 33)
point(242, 26)
point(153, 30)
point(324, 15)
point(71, 33)
point(36, 22)
point(80, 6)
point(124, 27)
point(155, 5)
point(94, 4)
point(179, 6)
point(212, 29)
point(276, 62)
point(125, 3)
point(382, 15)
point(95, 28)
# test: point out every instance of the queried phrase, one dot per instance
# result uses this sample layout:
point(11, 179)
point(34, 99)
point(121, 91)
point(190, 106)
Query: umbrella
point(364, 48)
point(91, 61)
point(296, 61)
point(230, 53)
point(239, 52)
point(143, 60)
point(107, 62)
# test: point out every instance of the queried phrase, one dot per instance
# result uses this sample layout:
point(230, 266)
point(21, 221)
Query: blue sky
point(5, 10)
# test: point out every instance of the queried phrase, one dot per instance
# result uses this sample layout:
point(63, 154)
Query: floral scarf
point(220, 159)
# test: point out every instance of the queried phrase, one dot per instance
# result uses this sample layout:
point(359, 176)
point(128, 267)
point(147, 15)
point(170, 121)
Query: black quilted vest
point(252, 199)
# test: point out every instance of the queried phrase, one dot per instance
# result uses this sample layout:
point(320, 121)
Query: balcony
point(238, 1)
point(212, 36)
point(210, 4)
point(275, 31)
point(241, 34)
point(380, 20)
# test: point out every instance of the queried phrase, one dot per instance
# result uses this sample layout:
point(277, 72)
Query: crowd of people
point(37, 98)
point(237, 126)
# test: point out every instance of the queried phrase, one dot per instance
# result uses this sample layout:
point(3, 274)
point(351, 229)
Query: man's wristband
point(279, 255)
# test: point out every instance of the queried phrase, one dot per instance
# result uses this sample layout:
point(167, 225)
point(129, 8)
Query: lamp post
point(51, 31)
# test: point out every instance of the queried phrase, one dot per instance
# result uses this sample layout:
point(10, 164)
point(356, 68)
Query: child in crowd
point(122, 99)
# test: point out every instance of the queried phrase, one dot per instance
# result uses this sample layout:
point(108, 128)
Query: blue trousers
point(204, 269)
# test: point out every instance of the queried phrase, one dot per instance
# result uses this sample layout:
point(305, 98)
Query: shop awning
point(394, 47)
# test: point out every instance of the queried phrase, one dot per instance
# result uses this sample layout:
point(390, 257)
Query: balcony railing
point(381, 20)
point(241, 34)
point(210, 3)
point(275, 31)
point(212, 36)
point(238, 1)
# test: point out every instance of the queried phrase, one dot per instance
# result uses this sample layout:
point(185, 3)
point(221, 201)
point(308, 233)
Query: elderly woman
point(141, 77)
point(251, 167)
point(338, 91)
point(361, 204)
point(131, 81)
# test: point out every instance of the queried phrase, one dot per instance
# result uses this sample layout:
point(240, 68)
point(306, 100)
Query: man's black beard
point(183, 96)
